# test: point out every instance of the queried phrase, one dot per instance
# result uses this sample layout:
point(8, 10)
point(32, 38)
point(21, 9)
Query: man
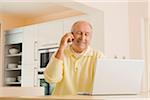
point(72, 66)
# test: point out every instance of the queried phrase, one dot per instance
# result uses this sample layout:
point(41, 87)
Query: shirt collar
point(88, 52)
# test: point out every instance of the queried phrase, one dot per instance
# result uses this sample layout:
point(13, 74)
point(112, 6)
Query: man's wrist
point(61, 48)
point(60, 53)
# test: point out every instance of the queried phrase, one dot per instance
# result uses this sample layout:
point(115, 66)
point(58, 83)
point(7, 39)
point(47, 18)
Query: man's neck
point(76, 50)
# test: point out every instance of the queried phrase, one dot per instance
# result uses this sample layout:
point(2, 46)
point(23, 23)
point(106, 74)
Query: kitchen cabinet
point(13, 58)
point(49, 33)
point(14, 36)
point(29, 44)
point(24, 38)
point(29, 54)
point(29, 75)
point(68, 22)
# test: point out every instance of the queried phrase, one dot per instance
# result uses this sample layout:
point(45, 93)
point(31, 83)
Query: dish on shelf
point(19, 66)
point(19, 78)
point(12, 65)
point(10, 79)
point(13, 51)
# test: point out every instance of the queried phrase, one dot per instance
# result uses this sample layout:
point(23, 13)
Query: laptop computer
point(118, 77)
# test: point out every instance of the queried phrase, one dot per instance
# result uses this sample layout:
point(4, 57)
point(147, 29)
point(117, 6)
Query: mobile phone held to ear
point(72, 34)
point(70, 39)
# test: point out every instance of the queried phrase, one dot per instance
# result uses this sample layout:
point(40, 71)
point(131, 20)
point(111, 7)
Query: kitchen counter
point(37, 93)
point(29, 93)
point(78, 97)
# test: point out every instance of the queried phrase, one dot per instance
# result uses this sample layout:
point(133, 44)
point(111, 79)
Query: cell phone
point(70, 41)
point(72, 34)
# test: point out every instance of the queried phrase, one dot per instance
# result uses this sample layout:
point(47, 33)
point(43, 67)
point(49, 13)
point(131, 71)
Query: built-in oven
point(48, 88)
point(45, 55)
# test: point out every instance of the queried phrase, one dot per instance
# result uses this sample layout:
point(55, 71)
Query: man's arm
point(54, 69)
point(68, 37)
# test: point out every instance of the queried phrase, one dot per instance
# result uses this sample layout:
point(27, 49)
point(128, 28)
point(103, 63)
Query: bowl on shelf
point(13, 51)
point(10, 79)
point(12, 65)
point(19, 66)
point(19, 78)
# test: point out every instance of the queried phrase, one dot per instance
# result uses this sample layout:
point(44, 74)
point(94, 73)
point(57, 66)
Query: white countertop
point(37, 93)
point(75, 98)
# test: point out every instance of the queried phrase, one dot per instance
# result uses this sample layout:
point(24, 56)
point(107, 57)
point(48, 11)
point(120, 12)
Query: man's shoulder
point(96, 52)
point(67, 50)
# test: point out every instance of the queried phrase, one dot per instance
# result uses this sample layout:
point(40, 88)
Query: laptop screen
point(118, 76)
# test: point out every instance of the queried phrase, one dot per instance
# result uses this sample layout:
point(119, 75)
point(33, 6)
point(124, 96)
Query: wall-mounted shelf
point(14, 55)
point(13, 83)
point(10, 59)
point(9, 69)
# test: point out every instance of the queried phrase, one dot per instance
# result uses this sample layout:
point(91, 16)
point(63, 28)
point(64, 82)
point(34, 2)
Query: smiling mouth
point(79, 42)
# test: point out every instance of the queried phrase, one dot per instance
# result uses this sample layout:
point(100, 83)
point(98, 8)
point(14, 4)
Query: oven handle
point(40, 76)
point(43, 51)
point(52, 50)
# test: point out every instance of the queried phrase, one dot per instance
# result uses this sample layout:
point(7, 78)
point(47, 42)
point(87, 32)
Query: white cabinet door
point(49, 33)
point(29, 44)
point(29, 56)
point(68, 22)
point(29, 75)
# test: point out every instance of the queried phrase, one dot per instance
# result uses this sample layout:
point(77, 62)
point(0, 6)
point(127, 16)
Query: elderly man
point(72, 66)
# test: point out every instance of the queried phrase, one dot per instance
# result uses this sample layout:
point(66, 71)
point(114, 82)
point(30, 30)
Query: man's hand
point(67, 38)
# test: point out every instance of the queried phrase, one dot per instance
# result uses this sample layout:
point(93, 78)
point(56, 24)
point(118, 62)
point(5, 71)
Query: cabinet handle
point(35, 51)
point(35, 77)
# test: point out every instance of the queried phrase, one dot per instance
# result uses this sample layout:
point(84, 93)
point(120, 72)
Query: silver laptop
point(118, 77)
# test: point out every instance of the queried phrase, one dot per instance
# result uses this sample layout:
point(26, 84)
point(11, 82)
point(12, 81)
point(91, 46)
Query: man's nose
point(83, 36)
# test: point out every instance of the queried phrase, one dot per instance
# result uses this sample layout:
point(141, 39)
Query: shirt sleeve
point(100, 55)
point(54, 70)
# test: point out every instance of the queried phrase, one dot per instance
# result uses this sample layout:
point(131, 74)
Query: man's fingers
point(69, 40)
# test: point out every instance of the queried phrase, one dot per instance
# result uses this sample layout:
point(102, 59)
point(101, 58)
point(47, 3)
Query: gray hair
point(80, 21)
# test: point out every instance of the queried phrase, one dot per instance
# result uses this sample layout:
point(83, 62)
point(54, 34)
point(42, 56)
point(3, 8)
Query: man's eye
point(79, 32)
point(87, 33)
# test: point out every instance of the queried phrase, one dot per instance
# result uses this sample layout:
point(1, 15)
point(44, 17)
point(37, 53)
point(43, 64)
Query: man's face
point(82, 36)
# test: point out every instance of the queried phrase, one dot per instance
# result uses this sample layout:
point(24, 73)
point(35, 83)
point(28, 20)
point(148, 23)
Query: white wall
point(137, 13)
point(148, 55)
point(148, 47)
point(0, 58)
point(115, 27)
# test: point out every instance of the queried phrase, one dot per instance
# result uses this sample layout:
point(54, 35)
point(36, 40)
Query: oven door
point(43, 83)
point(44, 57)
point(48, 88)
